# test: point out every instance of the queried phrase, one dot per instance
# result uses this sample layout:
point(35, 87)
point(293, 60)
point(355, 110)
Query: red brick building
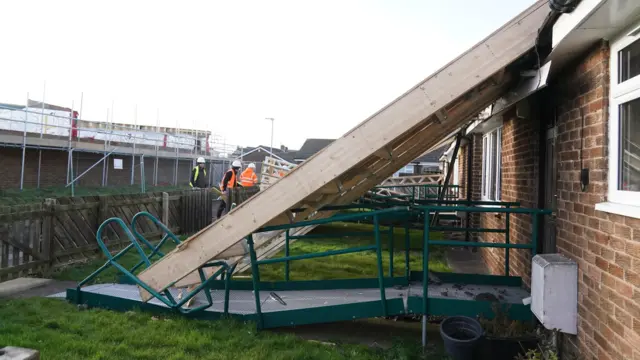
point(573, 147)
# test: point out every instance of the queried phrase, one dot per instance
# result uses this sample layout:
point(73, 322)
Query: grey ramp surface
point(504, 294)
point(242, 302)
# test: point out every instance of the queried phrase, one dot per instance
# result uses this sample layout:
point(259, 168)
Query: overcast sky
point(319, 67)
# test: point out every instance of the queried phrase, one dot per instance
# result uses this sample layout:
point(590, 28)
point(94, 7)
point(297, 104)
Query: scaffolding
point(44, 127)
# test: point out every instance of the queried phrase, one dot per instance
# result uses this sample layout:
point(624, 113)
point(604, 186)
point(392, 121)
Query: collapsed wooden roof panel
point(370, 152)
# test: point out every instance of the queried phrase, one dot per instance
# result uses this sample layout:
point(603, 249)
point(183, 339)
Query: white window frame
point(456, 169)
point(488, 166)
point(619, 201)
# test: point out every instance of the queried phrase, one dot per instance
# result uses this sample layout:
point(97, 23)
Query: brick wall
point(519, 184)
point(475, 143)
point(605, 246)
point(53, 171)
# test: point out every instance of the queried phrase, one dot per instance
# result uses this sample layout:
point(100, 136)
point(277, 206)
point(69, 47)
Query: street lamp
point(272, 120)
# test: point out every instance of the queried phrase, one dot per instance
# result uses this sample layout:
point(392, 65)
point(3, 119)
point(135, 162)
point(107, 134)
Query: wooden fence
point(39, 237)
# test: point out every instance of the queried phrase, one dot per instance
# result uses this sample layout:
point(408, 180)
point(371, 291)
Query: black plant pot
point(461, 336)
point(499, 348)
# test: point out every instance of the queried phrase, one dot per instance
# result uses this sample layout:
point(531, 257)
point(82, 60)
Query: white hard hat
point(236, 163)
point(252, 165)
point(200, 160)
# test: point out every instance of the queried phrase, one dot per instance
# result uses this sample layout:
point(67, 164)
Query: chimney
point(283, 148)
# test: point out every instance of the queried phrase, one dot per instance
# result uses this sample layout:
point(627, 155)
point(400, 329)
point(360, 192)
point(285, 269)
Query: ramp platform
point(287, 303)
point(369, 153)
point(327, 305)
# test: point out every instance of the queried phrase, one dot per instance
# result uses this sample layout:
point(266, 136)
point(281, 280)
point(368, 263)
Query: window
point(624, 122)
point(456, 169)
point(491, 165)
point(406, 170)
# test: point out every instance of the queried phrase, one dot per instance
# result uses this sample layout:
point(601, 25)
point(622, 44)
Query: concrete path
point(32, 287)
point(466, 262)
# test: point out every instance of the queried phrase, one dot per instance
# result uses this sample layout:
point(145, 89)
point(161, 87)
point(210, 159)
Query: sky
point(318, 67)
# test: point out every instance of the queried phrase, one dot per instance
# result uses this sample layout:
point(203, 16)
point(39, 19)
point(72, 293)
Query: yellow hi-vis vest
point(195, 177)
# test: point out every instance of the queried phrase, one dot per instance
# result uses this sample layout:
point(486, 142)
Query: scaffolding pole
point(24, 143)
point(44, 90)
point(175, 171)
point(155, 164)
point(104, 163)
point(133, 153)
point(70, 162)
point(86, 171)
point(143, 187)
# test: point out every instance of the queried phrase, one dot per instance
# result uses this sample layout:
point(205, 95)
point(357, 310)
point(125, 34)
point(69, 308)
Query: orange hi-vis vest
point(248, 178)
point(232, 181)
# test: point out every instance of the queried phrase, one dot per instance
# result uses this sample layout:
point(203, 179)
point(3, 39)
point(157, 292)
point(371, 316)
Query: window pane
point(629, 62)
point(494, 147)
point(498, 164)
point(484, 166)
point(629, 166)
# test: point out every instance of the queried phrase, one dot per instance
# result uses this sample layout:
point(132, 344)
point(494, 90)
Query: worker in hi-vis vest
point(199, 175)
point(249, 177)
point(229, 181)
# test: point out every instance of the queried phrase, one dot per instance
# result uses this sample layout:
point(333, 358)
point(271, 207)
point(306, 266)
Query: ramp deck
point(242, 302)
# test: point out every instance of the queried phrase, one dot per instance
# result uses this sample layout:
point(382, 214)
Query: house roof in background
point(257, 153)
point(433, 156)
point(312, 146)
point(38, 104)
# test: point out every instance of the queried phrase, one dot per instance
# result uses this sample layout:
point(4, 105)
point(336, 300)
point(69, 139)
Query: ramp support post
point(255, 275)
point(407, 246)
point(376, 231)
point(425, 275)
point(286, 254)
point(391, 251)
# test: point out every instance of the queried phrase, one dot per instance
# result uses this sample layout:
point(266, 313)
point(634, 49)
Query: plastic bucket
point(461, 335)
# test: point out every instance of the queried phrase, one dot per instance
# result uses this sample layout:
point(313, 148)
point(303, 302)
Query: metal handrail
point(534, 213)
point(255, 270)
point(164, 295)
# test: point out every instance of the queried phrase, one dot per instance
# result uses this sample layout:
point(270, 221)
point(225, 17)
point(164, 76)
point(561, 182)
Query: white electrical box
point(554, 292)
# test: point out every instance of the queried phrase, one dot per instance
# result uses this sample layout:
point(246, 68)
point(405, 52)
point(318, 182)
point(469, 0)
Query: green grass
point(28, 196)
point(354, 265)
point(347, 266)
point(62, 331)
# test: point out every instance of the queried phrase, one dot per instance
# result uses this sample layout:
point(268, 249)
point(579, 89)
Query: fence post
point(165, 209)
point(47, 233)
point(103, 208)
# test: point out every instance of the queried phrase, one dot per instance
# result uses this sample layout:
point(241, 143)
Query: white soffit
point(591, 21)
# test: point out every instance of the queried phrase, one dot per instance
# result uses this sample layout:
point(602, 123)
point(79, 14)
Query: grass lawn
point(347, 266)
point(354, 265)
point(61, 331)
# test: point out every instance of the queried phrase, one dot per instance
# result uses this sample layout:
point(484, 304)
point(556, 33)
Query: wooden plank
point(11, 272)
point(21, 215)
point(4, 252)
point(78, 206)
point(399, 119)
point(174, 214)
point(16, 237)
point(122, 201)
point(165, 209)
point(65, 231)
point(47, 229)
point(116, 211)
point(77, 219)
